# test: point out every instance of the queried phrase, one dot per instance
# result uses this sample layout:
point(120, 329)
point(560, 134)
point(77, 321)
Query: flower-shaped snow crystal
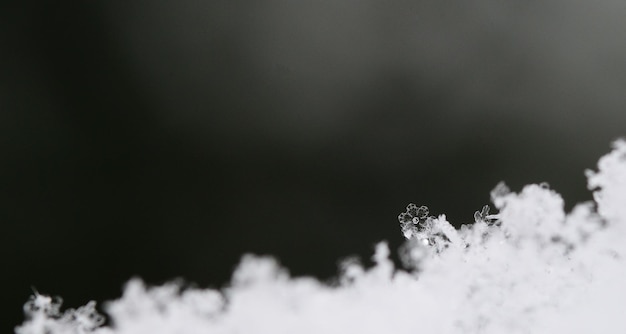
point(413, 220)
point(417, 225)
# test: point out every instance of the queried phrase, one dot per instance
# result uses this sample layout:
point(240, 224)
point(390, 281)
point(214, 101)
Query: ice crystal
point(484, 216)
point(45, 316)
point(413, 220)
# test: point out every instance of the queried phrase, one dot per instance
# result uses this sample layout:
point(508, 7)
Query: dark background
point(164, 139)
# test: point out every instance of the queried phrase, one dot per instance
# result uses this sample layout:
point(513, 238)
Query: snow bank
point(530, 268)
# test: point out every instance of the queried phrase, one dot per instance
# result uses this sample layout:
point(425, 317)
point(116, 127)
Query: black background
point(164, 139)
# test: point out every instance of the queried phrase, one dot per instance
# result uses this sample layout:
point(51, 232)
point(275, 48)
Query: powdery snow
point(531, 268)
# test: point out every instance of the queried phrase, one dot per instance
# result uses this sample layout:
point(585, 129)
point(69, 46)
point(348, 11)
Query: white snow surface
point(536, 269)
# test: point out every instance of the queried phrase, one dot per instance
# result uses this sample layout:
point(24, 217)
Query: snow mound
point(530, 268)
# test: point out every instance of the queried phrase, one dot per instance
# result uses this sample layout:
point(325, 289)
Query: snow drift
point(529, 268)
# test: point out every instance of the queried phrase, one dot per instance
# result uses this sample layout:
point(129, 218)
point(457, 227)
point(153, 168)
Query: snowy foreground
point(530, 268)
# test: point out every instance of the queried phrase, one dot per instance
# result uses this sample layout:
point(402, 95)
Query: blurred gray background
point(165, 139)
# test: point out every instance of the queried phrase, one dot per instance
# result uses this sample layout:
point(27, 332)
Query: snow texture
point(530, 268)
